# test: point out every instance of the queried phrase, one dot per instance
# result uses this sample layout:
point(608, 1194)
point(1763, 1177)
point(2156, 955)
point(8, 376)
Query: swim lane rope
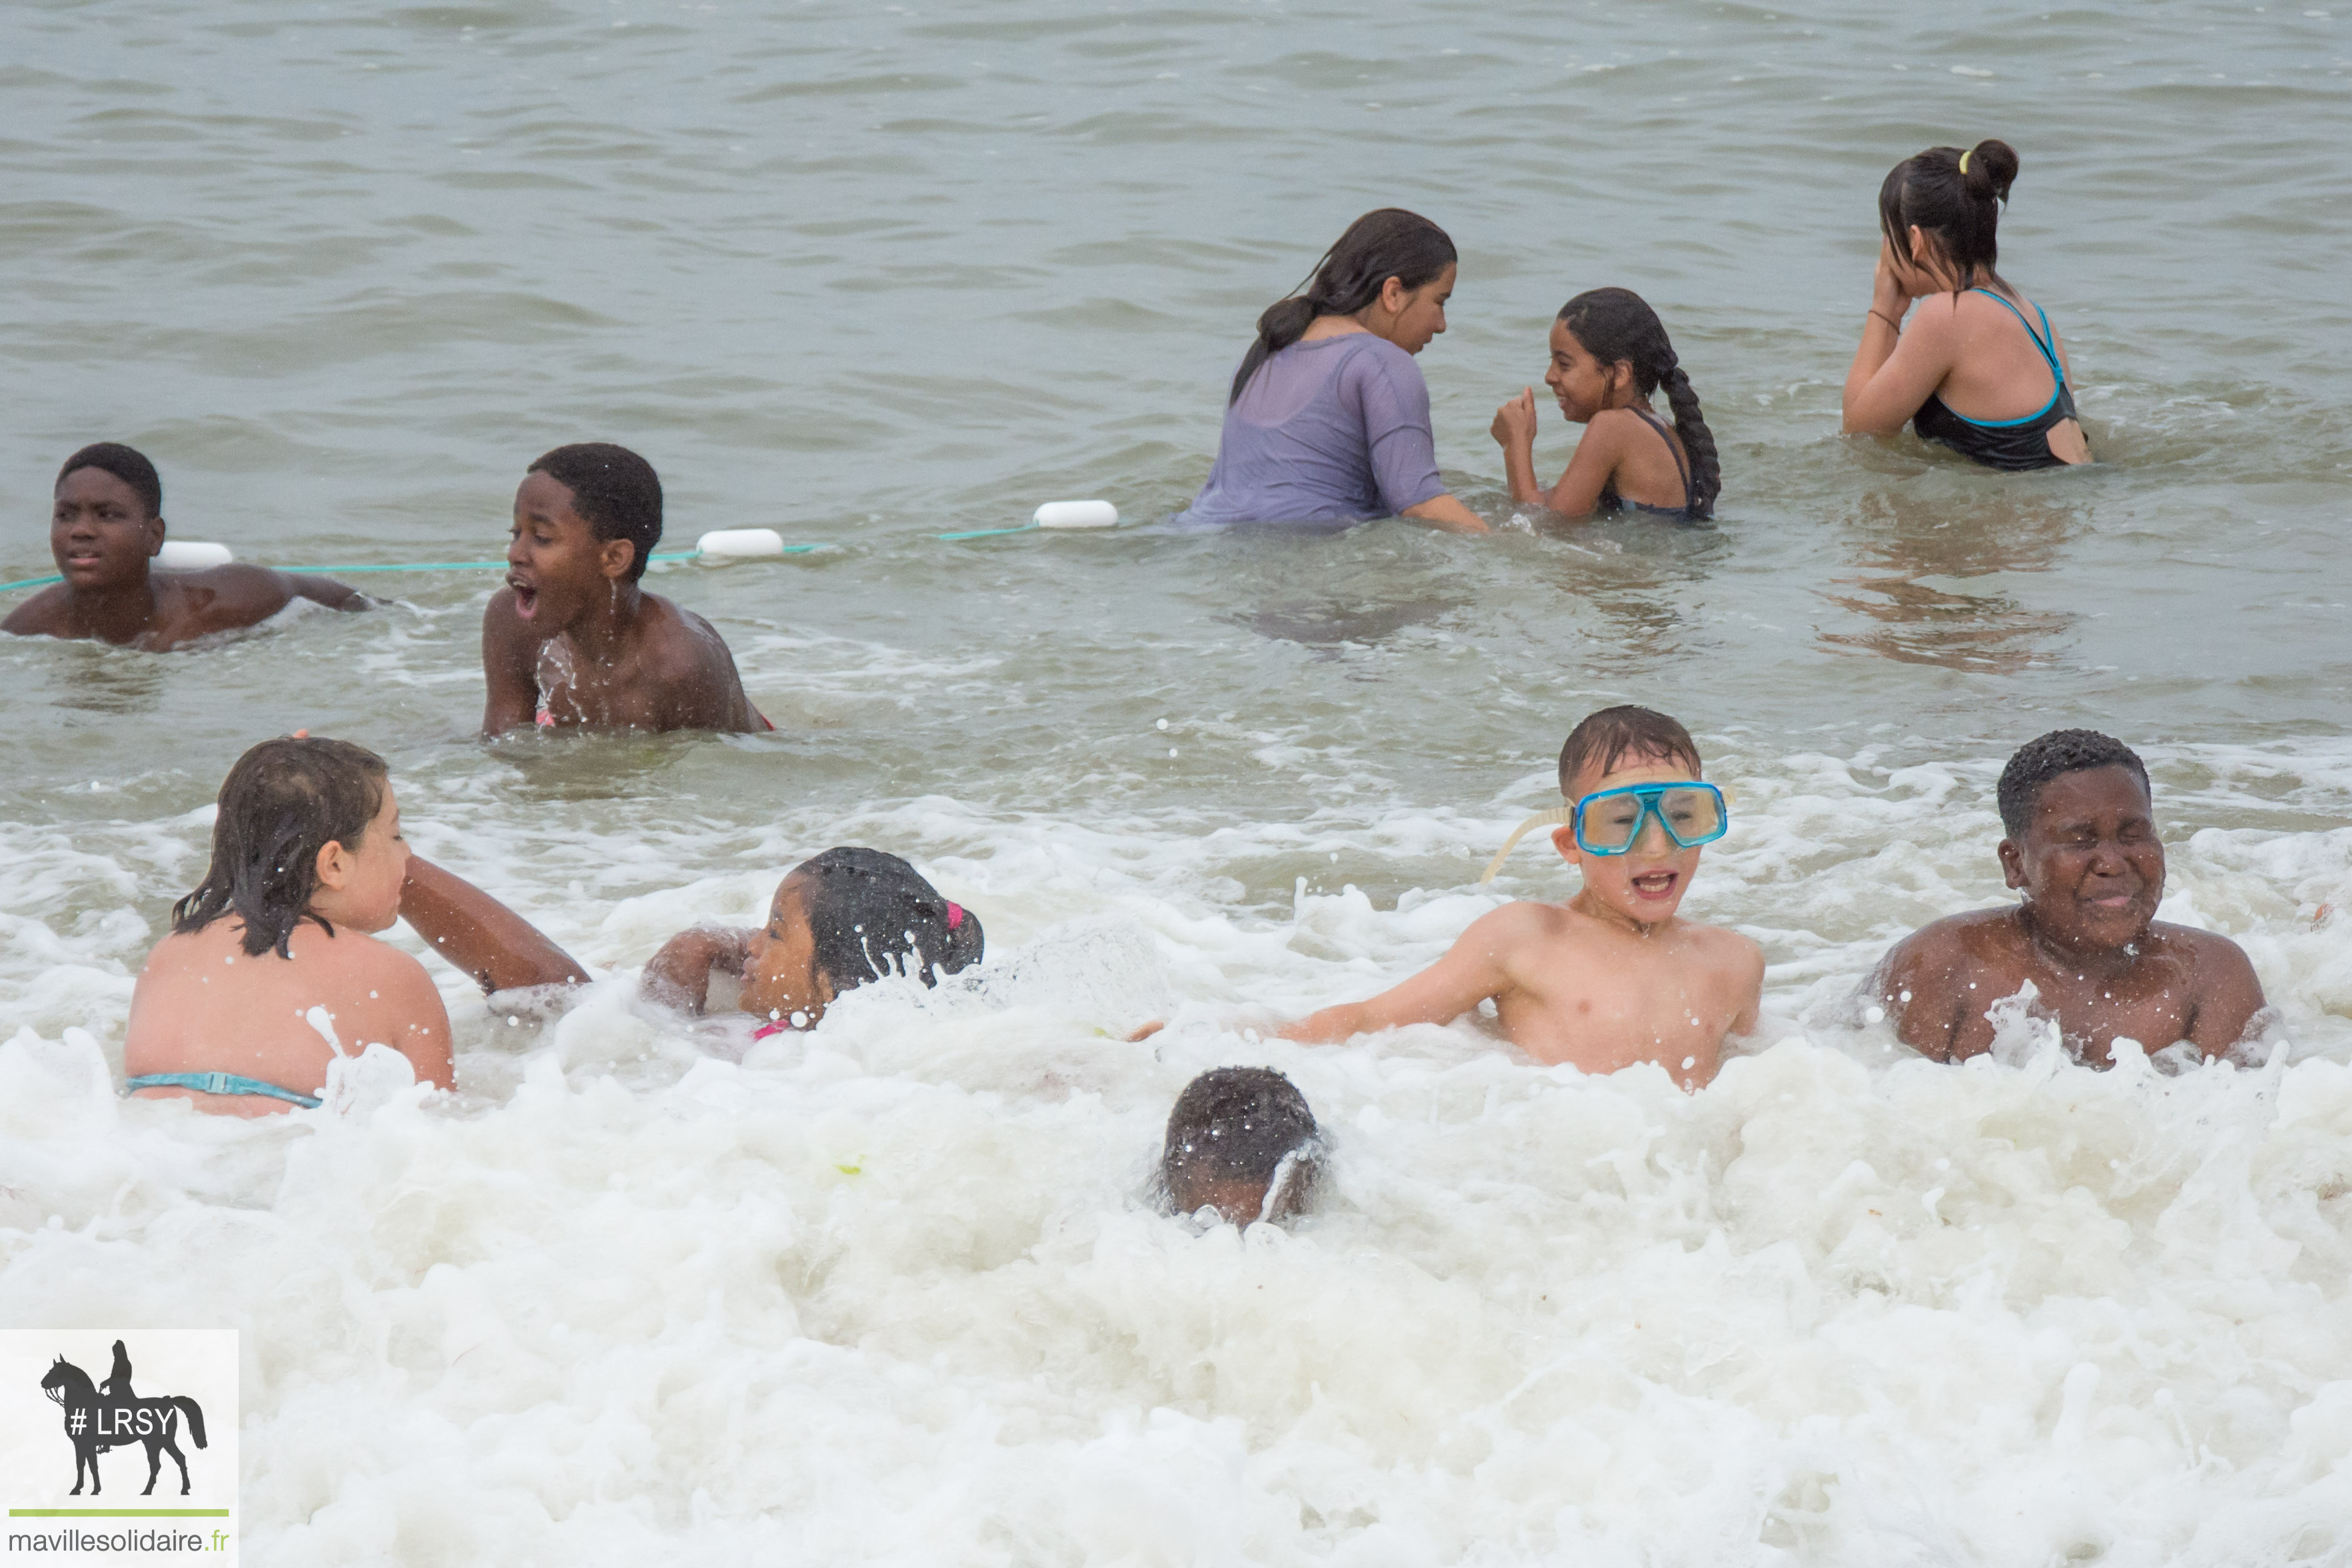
point(1096, 520)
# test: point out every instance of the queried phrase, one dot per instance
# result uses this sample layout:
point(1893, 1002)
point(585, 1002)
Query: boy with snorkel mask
point(1614, 976)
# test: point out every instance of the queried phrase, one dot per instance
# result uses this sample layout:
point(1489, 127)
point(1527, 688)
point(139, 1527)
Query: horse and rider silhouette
point(118, 1418)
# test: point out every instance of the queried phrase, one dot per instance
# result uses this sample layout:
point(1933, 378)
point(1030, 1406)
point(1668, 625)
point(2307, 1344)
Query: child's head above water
point(283, 807)
point(1626, 734)
point(845, 917)
point(124, 463)
point(586, 519)
point(1639, 811)
point(107, 517)
point(2046, 758)
point(1609, 349)
point(2080, 841)
point(1240, 1140)
point(1940, 211)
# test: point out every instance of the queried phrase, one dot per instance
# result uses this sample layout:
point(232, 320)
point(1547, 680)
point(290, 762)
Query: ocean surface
point(644, 1292)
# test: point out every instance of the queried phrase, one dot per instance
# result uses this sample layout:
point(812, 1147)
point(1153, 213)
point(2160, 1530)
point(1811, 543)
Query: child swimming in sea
point(1240, 1140)
point(270, 973)
point(1614, 976)
point(1971, 345)
point(1608, 353)
point(845, 917)
point(573, 641)
point(106, 525)
point(2080, 844)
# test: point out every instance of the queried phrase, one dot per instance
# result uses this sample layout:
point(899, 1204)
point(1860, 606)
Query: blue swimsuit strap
point(220, 1083)
point(2042, 341)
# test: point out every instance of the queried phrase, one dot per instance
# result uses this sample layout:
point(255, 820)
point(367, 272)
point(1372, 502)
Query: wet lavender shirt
point(1329, 431)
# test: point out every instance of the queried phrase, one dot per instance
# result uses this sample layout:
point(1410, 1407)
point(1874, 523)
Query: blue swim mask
point(1609, 821)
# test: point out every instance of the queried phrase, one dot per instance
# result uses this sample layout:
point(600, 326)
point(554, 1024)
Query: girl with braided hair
point(1608, 353)
point(1973, 374)
point(1328, 417)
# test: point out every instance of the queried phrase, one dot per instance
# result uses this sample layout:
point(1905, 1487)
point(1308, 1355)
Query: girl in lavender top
point(1329, 418)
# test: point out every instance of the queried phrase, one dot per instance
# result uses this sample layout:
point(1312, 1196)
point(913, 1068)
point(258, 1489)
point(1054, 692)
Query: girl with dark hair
point(269, 972)
point(1328, 417)
point(1608, 353)
point(1977, 373)
point(838, 921)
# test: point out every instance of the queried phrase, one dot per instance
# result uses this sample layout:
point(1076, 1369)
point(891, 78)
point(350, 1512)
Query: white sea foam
point(892, 1291)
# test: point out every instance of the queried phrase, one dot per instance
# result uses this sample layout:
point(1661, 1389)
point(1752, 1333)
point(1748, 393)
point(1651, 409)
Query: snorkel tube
point(1558, 816)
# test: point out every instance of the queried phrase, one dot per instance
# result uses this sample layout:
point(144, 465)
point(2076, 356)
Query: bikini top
point(1612, 501)
point(2015, 445)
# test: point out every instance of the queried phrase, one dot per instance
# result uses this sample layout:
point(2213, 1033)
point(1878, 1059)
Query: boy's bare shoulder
point(504, 632)
point(2211, 955)
point(682, 645)
point(1723, 945)
point(42, 616)
point(1979, 934)
point(687, 650)
point(1526, 918)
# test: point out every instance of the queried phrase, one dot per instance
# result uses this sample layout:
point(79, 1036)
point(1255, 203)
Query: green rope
point(991, 532)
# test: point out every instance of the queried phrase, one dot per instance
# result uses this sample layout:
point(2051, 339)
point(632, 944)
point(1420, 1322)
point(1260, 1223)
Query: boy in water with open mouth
point(1614, 976)
point(573, 640)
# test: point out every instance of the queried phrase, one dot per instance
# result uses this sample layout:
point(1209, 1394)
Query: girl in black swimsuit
point(1608, 353)
point(1937, 214)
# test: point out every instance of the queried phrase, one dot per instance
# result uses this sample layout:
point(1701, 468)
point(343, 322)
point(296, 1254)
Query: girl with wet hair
point(1328, 417)
point(271, 970)
point(1240, 1140)
point(1608, 353)
point(847, 916)
point(1981, 370)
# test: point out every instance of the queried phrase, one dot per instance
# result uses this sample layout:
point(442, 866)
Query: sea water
point(645, 1290)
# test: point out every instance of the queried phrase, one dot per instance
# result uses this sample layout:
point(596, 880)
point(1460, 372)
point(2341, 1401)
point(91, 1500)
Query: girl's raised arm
point(1894, 372)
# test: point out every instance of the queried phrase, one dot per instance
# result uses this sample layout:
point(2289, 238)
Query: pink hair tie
point(955, 915)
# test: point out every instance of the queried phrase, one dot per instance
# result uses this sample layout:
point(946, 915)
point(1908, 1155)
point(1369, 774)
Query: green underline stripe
point(118, 1513)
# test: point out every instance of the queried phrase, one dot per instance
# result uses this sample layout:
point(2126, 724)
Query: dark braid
point(1386, 243)
point(1616, 324)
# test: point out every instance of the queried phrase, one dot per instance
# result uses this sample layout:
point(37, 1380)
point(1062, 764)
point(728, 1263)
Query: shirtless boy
point(104, 530)
point(1614, 976)
point(571, 641)
point(2082, 844)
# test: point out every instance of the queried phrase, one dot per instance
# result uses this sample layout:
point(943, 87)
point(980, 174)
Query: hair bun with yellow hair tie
point(1964, 161)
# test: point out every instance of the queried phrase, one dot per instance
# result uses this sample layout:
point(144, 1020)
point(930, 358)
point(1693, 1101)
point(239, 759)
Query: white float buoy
point(739, 544)
point(1078, 514)
point(192, 555)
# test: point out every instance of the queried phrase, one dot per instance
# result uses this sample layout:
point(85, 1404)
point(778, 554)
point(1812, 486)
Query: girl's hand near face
point(1887, 292)
point(1515, 422)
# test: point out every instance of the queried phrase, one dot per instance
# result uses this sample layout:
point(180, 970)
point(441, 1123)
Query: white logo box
point(120, 1522)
